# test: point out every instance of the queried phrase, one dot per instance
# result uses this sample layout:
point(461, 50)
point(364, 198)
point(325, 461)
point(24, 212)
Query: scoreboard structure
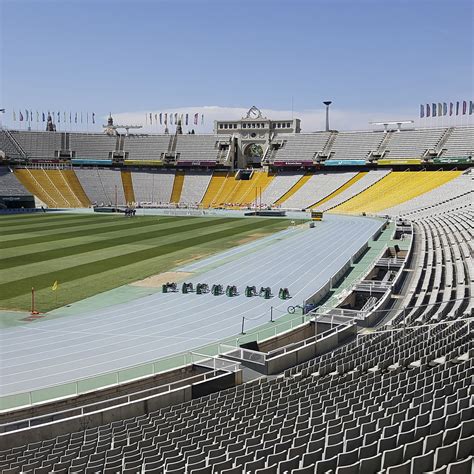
point(316, 216)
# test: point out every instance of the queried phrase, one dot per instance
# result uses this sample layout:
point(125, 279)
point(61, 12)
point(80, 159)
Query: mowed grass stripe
point(59, 264)
point(53, 225)
point(70, 292)
point(23, 286)
point(134, 238)
point(18, 252)
point(44, 219)
point(83, 232)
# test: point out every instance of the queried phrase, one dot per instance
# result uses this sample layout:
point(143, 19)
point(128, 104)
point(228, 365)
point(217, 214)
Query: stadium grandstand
point(362, 363)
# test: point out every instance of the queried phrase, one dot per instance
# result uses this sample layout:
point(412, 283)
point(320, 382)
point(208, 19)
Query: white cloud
point(311, 119)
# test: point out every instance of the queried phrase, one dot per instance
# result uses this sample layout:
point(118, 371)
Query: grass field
point(89, 254)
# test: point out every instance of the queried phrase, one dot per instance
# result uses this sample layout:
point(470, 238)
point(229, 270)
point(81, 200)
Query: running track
point(51, 352)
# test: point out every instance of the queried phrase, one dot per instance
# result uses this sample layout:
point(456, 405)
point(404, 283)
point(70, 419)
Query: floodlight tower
point(327, 103)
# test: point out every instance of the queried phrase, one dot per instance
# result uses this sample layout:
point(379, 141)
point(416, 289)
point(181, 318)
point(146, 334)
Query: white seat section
point(38, 144)
point(91, 145)
point(282, 183)
point(9, 184)
point(146, 147)
point(199, 147)
point(300, 147)
point(355, 145)
point(318, 187)
point(153, 186)
point(363, 183)
point(194, 186)
point(102, 186)
point(462, 186)
point(412, 143)
point(459, 143)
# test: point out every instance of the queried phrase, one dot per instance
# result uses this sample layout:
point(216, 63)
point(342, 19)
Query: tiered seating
point(278, 187)
point(462, 186)
point(395, 188)
point(39, 144)
point(9, 184)
point(460, 143)
point(153, 186)
point(301, 147)
point(146, 147)
point(318, 187)
point(318, 418)
point(367, 180)
point(92, 145)
point(194, 186)
point(7, 147)
point(102, 186)
point(58, 179)
point(412, 143)
point(355, 145)
point(198, 147)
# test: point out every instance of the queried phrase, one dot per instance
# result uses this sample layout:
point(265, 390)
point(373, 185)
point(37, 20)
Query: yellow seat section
point(298, 185)
point(39, 183)
point(393, 189)
point(127, 186)
point(214, 188)
point(248, 190)
point(76, 188)
point(177, 186)
point(339, 190)
point(57, 181)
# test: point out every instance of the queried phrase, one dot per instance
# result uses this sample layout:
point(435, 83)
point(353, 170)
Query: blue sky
point(375, 59)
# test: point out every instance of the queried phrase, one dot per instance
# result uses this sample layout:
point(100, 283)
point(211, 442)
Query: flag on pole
point(65, 117)
point(422, 111)
point(37, 116)
point(445, 108)
point(151, 119)
point(196, 117)
point(433, 107)
point(464, 107)
point(440, 109)
point(457, 107)
point(31, 115)
point(428, 110)
point(59, 117)
point(27, 116)
point(93, 117)
point(156, 118)
point(166, 119)
point(55, 285)
point(471, 107)
point(187, 118)
point(161, 118)
point(81, 117)
point(14, 116)
point(21, 116)
point(202, 119)
point(171, 119)
point(43, 116)
point(75, 118)
point(451, 106)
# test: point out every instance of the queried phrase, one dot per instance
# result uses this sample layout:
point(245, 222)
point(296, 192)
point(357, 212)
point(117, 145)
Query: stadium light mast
point(327, 103)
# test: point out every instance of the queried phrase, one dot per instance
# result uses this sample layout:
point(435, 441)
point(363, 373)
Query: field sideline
point(89, 254)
